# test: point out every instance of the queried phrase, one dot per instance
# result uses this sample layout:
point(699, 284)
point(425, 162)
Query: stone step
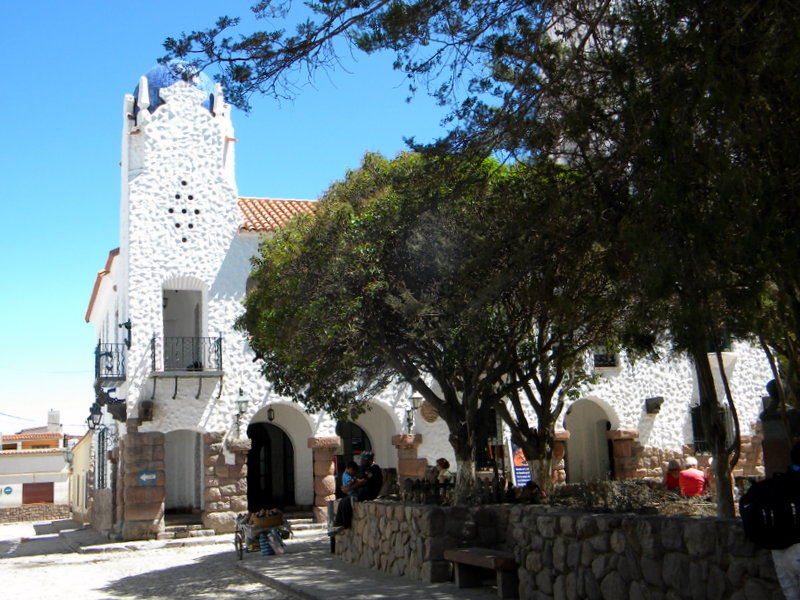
point(177, 532)
point(191, 527)
point(306, 525)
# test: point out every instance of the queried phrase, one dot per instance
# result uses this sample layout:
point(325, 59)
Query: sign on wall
point(7, 490)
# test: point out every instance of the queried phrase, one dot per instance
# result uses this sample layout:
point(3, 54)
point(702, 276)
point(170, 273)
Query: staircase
point(303, 525)
point(176, 532)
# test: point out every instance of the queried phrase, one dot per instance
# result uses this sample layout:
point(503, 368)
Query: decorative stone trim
point(323, 451)
point(407, 440)
point(324, 442)
point(225, 482)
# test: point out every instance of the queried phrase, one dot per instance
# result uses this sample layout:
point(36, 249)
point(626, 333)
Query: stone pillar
point(622, 453)
point(324, 450)
point(558, 466)
point(225, 479)
point(408, 465)
point(143, 483)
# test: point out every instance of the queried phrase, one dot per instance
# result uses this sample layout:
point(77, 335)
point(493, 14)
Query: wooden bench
point(502, 563)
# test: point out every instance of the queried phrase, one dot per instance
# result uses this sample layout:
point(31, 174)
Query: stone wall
point(566, 554)
point(225, 481)
point(35, 512)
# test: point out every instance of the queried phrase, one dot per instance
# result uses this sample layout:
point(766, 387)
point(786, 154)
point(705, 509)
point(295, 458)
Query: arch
point(380, 424)
point(183, 472)
point(184, 282)
point(270, 468)
point(588, 449)
point(296, 426)
point(354, 441)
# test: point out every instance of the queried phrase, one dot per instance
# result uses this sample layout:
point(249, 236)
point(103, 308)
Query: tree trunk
point(466, 492)
point(542, 473)
point(715, 429)
point(463, 441)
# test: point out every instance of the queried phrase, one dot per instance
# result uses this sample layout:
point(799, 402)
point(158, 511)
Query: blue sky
point(67, 66)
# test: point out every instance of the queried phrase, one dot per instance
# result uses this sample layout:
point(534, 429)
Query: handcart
point(249, 529)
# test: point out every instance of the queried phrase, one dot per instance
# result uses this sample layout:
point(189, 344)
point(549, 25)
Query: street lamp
point(416, 402)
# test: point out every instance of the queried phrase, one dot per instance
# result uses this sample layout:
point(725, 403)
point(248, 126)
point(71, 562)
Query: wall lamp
point(95, 416)
point(416, 402)
point(241, 409)
point(270, 414)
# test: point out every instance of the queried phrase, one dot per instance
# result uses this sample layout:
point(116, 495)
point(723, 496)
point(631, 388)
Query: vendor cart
point(249, 529)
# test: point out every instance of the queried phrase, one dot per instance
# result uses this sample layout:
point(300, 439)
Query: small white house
point(185, 423)
point(34, 474)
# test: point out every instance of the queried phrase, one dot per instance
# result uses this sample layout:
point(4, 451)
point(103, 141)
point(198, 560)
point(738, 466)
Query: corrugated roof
point(268, 214)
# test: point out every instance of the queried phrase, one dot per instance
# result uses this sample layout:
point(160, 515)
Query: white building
point(34, 473)
point(171, 371)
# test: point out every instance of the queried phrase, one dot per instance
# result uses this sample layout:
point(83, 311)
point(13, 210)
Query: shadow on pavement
point(211, 576)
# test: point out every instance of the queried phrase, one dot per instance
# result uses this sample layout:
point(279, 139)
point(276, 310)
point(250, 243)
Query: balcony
point(190, 355)
point(109, 362)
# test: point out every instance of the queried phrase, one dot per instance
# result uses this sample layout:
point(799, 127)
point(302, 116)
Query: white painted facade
point(181, 271)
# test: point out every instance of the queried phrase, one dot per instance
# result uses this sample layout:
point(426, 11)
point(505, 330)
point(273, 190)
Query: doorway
point(270, 468)
point(354, 441)
point(588, 449)
point(183, 470)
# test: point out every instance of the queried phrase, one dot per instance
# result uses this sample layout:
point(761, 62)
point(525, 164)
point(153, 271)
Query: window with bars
point(702, 442)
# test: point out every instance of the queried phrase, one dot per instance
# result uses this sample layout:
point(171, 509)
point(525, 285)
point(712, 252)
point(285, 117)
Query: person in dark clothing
point(370, 480)
point(366, 487)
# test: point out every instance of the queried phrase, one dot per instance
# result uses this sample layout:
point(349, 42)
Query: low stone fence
point(35, 512)
point(568, 554)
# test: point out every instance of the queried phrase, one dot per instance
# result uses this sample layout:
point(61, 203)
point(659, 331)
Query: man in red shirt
point(692, 480)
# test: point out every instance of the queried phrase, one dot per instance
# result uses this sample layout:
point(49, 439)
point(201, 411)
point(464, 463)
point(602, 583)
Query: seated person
point(443, 474)
point(692, 480)
point(672, 478)
point(349, 478)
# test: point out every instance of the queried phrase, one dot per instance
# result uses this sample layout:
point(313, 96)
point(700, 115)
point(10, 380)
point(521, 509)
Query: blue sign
point(521, 471)
point(147, 477)
point(7, 489)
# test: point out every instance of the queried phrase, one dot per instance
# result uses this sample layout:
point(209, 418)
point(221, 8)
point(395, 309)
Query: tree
point(682, 116)
point(421, 269)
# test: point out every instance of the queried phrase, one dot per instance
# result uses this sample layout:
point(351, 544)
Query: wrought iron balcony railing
point(187, 354)
point(109, 361)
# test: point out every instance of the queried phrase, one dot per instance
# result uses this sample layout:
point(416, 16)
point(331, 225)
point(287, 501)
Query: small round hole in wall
point(177, 196)
point(196, 211)
point(177, 224)
point(191, 197)
point(183, 211)
point(191, 226)
point(171, 210)
point(183, 239)
point(183, 183)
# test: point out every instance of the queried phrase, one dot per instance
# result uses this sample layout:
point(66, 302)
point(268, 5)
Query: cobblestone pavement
point(42, 567)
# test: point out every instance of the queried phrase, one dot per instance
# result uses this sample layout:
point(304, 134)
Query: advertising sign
point(520, 470)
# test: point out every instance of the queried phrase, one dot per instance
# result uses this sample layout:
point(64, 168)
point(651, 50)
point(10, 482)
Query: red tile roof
point(268, 214)
point(48, 435)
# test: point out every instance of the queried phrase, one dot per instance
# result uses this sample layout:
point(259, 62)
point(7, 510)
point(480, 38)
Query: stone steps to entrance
point(176, 532)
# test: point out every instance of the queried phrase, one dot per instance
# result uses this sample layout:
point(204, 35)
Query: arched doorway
point(354, 441)
point(183, 470)
point(588, 449)
point(270, 468)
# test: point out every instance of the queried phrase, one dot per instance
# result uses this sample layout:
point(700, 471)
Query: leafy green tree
point(681, 114)
point(660, 110)
point(428, 270)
